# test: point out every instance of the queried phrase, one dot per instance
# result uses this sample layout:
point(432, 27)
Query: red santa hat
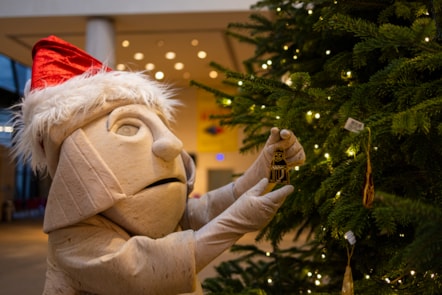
point(68, 89)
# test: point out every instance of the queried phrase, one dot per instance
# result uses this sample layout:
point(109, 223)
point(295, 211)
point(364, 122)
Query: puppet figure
point(118, 216)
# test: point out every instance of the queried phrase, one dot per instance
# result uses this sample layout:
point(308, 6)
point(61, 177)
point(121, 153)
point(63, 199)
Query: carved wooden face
point(145, 156)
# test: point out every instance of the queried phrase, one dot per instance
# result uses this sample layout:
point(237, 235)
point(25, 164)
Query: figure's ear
point(189, 165)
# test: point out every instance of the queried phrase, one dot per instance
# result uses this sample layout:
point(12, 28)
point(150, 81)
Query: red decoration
point(55, 61)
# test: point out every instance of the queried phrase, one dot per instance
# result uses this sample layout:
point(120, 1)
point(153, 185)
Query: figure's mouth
point(163, 181)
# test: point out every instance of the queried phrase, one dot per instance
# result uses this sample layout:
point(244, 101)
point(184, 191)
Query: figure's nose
point(167, 146)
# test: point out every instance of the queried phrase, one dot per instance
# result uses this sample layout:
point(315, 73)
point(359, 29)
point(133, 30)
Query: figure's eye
point(127, 130)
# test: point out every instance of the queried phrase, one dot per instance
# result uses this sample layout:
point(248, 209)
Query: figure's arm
point(201, 210)
point(251, 212)
point(100, 260)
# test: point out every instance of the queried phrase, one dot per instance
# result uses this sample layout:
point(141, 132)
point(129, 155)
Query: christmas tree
point(359, 83)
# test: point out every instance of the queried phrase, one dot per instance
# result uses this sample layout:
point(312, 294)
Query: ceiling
point(150, 34)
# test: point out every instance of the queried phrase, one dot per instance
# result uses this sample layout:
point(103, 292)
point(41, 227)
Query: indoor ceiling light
point(202, 54)
point(159, 75)
point(213, 74)
point(149, 66)
point(125, 43)
point(170, 55)
point(194, 42)
point(179, 66)
point(121, 67)
point(138, 56)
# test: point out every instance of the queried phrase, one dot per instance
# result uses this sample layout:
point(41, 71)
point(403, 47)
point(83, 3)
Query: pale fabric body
point(102, 171)
point(98, 257)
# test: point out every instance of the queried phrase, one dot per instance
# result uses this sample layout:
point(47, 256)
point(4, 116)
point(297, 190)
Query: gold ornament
point(368, 193)
point(279, 172)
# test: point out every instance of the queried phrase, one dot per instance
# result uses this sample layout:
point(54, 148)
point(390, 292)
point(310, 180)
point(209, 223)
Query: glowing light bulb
point(219, 157)
point(194, 42)
point(179, 66)
point(159, 75)
point(149, 66)
point(138, 56)
point(226, 101)
point(170, 55)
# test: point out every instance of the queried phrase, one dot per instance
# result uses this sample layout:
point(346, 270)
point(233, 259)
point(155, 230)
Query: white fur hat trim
point(56, 111)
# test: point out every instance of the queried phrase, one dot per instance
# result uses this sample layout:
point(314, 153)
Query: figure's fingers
point(274, 136)
point(284, 133)
point(259, 188)
point(288, 139)
point(278, 196)
point(295, 155)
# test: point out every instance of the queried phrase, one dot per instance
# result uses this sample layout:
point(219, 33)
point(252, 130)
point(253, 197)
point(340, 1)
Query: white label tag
point(354, 125)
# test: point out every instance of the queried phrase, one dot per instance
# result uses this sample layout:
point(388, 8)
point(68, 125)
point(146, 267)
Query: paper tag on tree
point(354, 125)
point(279, 172)
point(350, 237)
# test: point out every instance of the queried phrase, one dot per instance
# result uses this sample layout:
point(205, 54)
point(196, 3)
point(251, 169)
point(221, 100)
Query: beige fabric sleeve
point(200, 211)
point(96, 257)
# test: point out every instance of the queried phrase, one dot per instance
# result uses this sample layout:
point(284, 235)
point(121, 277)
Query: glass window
point(13, 75)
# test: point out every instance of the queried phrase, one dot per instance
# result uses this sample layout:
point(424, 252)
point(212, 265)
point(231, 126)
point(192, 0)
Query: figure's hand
point(249, 213)
point(279, 139)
